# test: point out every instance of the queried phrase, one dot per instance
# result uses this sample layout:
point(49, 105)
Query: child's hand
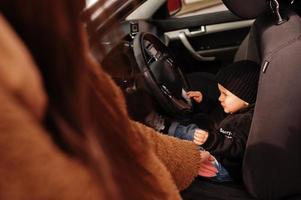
point(207, 168)
point(200, 136)
point(196, 95)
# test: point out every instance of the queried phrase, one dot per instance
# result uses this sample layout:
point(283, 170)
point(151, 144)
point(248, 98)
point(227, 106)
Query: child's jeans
point(182, 132)
point(187, 133)
point(222, 174)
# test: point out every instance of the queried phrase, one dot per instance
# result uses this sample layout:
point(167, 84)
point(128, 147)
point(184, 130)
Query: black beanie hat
point(241, 79)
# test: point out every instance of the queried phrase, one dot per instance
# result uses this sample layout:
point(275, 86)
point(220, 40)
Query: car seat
point(272, 163)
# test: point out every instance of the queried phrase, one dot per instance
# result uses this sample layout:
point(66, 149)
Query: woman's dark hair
point(83, 114)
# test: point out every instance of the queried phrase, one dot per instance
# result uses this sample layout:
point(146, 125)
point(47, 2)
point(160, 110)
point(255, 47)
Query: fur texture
point(33, 167)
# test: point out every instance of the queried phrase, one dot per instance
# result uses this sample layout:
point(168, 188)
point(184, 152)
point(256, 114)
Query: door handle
point(191, 50)
point(200, 31)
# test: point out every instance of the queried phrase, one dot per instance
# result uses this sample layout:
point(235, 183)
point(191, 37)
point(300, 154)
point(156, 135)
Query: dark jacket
point(228, 140)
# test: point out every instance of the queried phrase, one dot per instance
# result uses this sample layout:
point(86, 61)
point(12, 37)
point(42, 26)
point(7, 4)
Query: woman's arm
point(182, 158)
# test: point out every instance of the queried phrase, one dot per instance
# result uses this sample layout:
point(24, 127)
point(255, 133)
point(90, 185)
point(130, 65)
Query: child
point(238, 88)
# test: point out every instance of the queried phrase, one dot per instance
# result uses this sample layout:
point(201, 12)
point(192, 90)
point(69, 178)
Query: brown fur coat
point(32, 166)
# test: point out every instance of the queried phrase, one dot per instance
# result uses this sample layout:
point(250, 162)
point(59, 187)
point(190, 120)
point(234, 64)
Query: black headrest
point(246, 8)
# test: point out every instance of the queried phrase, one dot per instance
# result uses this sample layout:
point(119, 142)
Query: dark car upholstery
point(272, 161)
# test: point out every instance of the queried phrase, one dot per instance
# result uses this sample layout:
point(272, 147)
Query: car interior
point(153, 53)
point(196, 44)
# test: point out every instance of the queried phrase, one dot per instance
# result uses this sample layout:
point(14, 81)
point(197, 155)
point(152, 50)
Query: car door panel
point(211, 35)
point(174, 23)
point(209, 39)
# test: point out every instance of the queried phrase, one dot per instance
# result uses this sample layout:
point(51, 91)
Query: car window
point(196, 7)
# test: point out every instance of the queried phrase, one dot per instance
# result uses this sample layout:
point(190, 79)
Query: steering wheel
point(162, 74)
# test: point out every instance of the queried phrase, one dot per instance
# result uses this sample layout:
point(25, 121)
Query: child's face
point(229, 101)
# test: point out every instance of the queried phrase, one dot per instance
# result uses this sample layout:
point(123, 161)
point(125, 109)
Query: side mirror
point(174, 6)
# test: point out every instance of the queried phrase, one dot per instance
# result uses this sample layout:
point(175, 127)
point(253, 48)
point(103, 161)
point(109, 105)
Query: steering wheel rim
point(162, 74)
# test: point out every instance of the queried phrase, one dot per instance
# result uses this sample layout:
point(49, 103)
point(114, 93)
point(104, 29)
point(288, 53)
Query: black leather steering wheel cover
point(167, 102)
point(246, 9)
